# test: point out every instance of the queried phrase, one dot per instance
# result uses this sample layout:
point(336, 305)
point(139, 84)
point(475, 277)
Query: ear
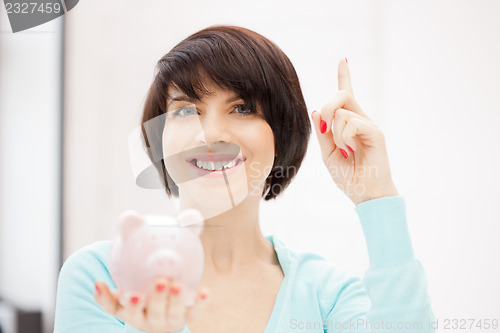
point(129, 222)
point(191, 216)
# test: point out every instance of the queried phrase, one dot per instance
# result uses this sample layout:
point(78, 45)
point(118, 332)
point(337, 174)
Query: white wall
point(30, 93)
point(425, 71)
point(442, 62)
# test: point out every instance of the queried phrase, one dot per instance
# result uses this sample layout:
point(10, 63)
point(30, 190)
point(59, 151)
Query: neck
point(233, 242)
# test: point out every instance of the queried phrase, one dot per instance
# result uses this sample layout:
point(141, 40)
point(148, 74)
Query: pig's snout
point(164, 261)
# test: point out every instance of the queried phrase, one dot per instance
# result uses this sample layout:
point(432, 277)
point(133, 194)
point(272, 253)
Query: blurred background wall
point(425, 71)
point(30, 165)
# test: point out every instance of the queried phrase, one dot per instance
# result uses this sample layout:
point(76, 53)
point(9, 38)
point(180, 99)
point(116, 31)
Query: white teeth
point(211, 166)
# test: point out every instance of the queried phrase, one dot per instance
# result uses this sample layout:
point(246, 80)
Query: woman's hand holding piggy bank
point(157, 270)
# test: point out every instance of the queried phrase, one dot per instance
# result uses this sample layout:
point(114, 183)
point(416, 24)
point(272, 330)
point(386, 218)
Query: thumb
point(326, 143)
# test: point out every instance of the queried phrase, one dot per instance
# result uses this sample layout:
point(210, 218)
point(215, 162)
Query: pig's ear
point(130, 220)
point(191, 216)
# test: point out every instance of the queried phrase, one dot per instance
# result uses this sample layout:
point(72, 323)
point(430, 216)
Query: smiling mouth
point(215, 165)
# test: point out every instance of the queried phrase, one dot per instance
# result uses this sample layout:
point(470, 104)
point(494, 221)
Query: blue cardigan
point(315, 295)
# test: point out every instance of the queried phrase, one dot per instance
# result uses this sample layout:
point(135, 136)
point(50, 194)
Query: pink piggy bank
point(142, 252)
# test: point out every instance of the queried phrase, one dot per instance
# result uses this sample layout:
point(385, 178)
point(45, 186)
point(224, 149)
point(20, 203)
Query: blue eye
point(246, 109)
point(185, 111)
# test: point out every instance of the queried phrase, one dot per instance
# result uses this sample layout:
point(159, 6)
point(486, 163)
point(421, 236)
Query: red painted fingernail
point(323, 126)
point(346, 60)
point(160, 287)
point(134, 300)
point(97, 289)
point(174, 290)
point(350, 148)
point(344, 153)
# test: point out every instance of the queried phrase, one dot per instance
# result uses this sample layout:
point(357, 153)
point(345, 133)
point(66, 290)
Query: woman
point(228, 91)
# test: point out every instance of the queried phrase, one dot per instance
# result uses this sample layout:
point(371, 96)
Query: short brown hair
point(247, 63)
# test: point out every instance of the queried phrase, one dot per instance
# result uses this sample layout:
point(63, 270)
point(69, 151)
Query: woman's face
point(222, 130)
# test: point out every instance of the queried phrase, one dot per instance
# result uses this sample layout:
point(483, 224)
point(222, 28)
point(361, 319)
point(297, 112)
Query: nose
point(214, 128)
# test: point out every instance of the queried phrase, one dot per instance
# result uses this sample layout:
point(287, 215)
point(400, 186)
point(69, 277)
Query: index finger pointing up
point(344, 76)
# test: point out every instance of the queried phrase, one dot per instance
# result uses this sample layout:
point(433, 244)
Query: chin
point(215, 198)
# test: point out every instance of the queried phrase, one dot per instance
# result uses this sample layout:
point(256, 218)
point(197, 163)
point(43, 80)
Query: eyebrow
point(189, 99)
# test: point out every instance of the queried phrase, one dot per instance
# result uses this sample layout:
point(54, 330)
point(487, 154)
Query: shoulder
point(308, 266)
point(321, 273)
point(76, 308)
point(316, 277)
point(88, 264)
point(90, 254)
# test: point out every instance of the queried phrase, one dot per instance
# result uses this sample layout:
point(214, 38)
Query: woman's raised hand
point(353, 147)
point(163, 312)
